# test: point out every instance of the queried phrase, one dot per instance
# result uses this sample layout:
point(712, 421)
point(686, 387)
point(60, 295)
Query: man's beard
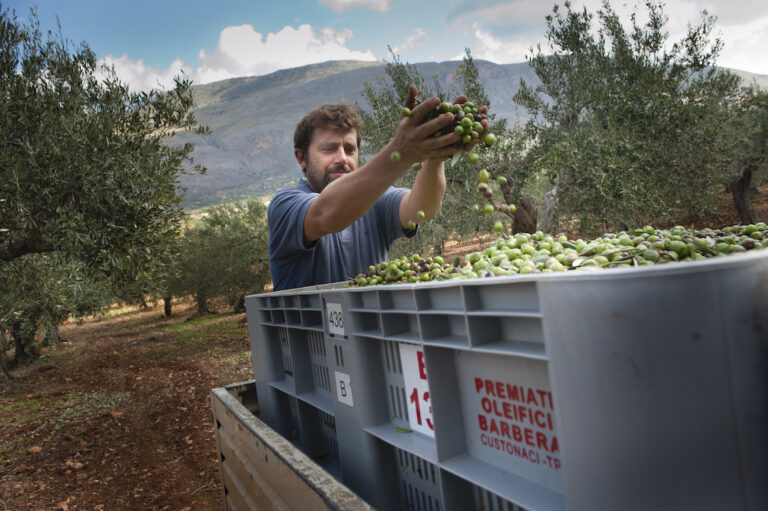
point(318, 181)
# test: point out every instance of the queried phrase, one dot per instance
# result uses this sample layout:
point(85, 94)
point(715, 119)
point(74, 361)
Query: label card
point(335, 318)
point(344, 388)
point(417, 389)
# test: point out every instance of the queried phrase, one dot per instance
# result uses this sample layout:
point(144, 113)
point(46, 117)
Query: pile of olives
point(544, 253)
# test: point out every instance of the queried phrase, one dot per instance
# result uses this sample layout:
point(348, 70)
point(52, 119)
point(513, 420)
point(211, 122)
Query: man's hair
point(340, 116)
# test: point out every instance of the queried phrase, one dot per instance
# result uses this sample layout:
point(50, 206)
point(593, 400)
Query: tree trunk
point(239, 306)
point(167, 305)
point(550, 208)
point(23, 334)
point(5, 376)
point(525, 215)
point(742, 195)
point(202, 305)
point(21, 354)
point(55, 334)
point(4, 343)
point(52, 336)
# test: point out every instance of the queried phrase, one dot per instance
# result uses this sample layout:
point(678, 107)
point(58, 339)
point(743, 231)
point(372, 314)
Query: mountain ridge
point(250, 150)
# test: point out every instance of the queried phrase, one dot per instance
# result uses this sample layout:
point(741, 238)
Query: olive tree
point(224, 255)
point(42, 290)
point(626, 123)
point(85, 168)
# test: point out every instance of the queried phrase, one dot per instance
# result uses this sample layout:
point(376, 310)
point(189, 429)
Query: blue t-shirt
point(335, 256)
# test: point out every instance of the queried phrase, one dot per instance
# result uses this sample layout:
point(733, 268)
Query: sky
point(149, 42)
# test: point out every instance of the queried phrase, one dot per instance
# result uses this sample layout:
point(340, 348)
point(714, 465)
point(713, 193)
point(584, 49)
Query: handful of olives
point(466, 122)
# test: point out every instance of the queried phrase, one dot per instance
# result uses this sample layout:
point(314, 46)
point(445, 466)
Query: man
point(340, 219)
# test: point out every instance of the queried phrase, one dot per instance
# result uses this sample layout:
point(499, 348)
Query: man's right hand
point(415, 141)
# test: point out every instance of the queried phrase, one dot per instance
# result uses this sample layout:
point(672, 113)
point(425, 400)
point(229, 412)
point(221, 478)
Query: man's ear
point(300, 157)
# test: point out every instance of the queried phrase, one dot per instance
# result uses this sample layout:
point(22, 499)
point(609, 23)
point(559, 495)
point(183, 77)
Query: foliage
point(626, 125)
point(225, 254)
point(85, 169)
point(86, 175)
point(379, 125)
point(41, 291)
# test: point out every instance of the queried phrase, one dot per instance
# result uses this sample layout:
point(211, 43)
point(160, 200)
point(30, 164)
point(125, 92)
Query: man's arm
point(429, 187)
point(349, 197)
point(426, 194)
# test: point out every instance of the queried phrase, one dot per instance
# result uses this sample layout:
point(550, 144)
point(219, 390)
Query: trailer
point(260, 469)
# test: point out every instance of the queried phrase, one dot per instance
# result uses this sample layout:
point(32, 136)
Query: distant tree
point(225, 255)
point(40, 291)
point(625, 124)
point(85, 170)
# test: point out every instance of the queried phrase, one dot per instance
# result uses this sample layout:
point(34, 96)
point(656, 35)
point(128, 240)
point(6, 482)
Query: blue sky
point(148, 42)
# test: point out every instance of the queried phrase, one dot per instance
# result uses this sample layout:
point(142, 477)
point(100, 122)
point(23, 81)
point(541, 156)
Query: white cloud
point(745, 46)
point(139, 76)
point(241, 51)
point(374, 5)
point(411, 41)
point(505, 30)
point(729, 12)
point(500, 51)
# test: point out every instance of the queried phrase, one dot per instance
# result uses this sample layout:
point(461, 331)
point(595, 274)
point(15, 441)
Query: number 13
point(414, 397)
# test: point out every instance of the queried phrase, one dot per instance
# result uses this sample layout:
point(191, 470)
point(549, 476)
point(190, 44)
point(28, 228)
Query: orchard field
point(118, 417)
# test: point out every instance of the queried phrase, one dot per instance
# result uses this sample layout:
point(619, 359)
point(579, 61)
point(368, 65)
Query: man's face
point(331, 154)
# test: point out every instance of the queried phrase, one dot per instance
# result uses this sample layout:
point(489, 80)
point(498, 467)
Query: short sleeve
point(285, 215)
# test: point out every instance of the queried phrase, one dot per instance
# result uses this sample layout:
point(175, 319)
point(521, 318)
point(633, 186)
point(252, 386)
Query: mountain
point(250, 151)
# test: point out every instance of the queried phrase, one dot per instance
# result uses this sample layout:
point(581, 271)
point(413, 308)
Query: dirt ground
point(119, 416)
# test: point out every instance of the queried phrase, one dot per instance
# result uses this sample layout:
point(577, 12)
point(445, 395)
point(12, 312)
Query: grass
point(119, 311)
point(76, 405)
point(20, 407)
point(196, 331)
point(194, 324)
point(69, 407)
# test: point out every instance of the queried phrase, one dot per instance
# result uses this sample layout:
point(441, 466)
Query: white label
point(343, 388)
point(417, 389)
point(335, 318)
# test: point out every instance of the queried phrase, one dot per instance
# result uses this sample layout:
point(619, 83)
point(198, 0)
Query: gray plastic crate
point(642, 388)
